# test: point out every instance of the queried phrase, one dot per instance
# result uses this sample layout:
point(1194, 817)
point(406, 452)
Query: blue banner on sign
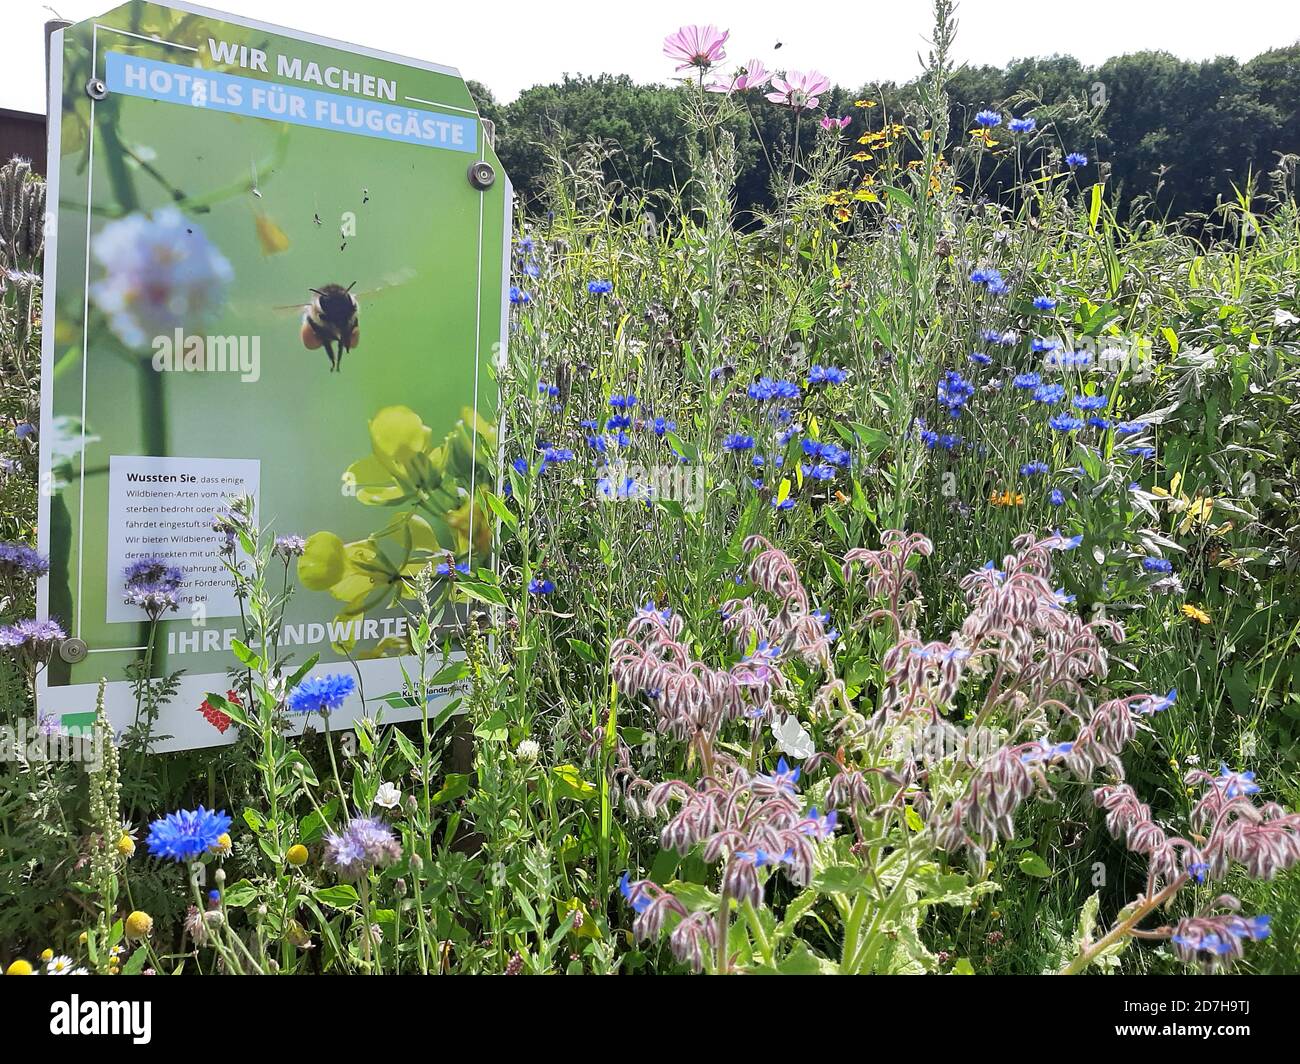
point(208, 89)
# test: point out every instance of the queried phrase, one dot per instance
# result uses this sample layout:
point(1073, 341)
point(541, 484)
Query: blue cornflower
point(321, 694)
point(762, 390)
point(1090, 402)
point(1065, 423)
point(820, 471)
point(949, 441)
point(998, 287)
point(929, 437)
point(988, 119)
point(1129, 428)
point(618, 422)
point(1033, 469)
point(980, 359)
point(1076, 159)
point(1044, 303)
point(518, 296)
point(1099, 423)
point(1042, 344)
point(786, 504)
point(552, 455)
point(836, 455)
point(663, 425)
point(446, 568)
point(1056, 498)
point(1157, 565)
point(1027, 380)
point(1140, 452)
point(827, 375)
point(737, 442)
point(185, 834)
point(1048, 394)
point(954, 391)
point(600, 288)
point(1022, 125)
point(537, 586)
point(622, 402)
point(520, 466)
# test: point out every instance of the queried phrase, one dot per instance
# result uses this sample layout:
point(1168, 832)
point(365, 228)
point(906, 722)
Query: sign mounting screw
point(482, 175)
point(96, 89)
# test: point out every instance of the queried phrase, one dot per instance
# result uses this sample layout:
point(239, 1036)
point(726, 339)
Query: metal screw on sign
point(482, 175)
point(96, 89)
point(72, 650)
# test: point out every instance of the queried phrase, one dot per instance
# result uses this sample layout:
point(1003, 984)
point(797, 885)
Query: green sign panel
point(278, 269)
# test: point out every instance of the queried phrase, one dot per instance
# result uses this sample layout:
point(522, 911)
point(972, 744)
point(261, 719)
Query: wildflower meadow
point(898, 580)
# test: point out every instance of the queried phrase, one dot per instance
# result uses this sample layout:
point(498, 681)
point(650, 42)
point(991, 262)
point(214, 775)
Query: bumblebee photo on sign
point(275, 289)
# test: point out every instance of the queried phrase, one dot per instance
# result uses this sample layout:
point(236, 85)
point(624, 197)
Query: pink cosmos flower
point(828, 123)
point(799, 90)
point(696, 46)
point(753, 75)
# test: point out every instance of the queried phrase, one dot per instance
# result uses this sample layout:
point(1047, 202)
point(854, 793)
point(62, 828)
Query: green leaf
point(496, 728)
point(341, 896)
point(252, 660)
point(570, 784)
point(455, 785)
point(1033, 865)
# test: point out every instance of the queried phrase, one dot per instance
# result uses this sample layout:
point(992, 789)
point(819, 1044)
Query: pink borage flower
point(800, 90)
point(696, 46)
point(753, 75)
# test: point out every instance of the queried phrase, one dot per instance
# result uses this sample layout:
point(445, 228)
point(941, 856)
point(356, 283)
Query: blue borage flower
point(1045, 750)
point(818, 826)
point(538, 586)
point(764, 653)
point(759, 857)
point(783, 779)
point(1065, 423)
point(600, 288)
point(824, 375)
point(1157, 703)
point(1063, 542)
point(1033, 469)
point(737, 442)
point(824, 616)
point(988, 119)
point(1022, 125)
point(638, 899)
point(1224, 941)
point(321, 694)
point(1234, 784)
point(1157, 565)
point(1076, 159)
point(187, 834)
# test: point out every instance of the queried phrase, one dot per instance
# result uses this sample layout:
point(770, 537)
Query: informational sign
point(277, 270)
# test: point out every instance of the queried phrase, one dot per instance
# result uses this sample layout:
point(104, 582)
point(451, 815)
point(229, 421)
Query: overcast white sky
point(512, 44)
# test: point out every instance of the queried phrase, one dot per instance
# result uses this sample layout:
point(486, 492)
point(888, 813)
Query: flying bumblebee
point(332, 318)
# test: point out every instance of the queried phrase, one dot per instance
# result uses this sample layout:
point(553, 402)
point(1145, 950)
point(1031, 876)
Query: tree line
point(1170, 134)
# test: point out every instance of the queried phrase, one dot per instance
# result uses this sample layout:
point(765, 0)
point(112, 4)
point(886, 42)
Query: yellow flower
point(1195, 613)
point(861, 156)
point(1007, 499)
point(126, 845)
point(864, 103)
point(19, 967)
point(81, 938)
point(297, 855)
point(47, 954)
point(139, 925)
point(223, 845)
